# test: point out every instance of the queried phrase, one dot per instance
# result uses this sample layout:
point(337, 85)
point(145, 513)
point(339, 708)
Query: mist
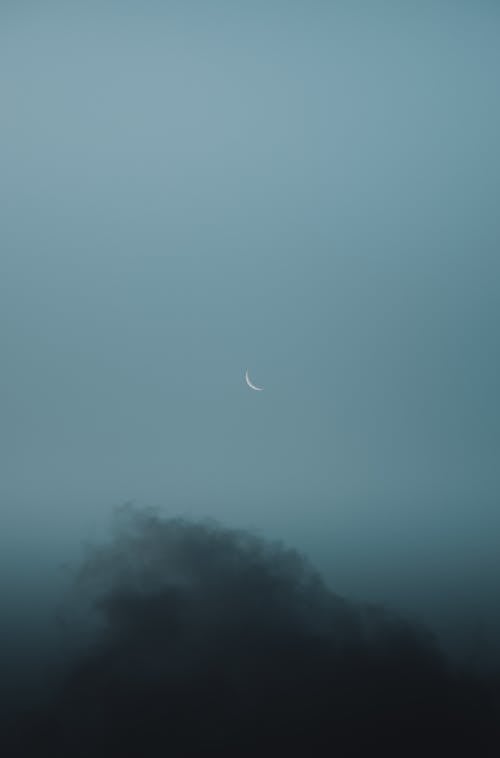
point(194, 638)
point(307, 192)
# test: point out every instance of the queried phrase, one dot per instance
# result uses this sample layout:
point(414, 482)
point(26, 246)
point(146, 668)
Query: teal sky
point(307, 190)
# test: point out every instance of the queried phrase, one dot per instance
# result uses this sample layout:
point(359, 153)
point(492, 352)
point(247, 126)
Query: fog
point(311, 192)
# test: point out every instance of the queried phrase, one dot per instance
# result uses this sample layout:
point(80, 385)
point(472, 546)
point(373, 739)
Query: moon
point(251, 385)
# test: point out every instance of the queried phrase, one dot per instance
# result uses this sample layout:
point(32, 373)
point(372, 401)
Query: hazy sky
point(308, 190)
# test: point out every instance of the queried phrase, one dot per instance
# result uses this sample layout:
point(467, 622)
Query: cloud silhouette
point(201, 640)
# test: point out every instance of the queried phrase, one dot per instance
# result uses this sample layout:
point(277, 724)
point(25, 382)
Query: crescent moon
point(251, 385)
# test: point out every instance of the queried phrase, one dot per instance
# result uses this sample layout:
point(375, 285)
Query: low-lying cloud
point(201, 640)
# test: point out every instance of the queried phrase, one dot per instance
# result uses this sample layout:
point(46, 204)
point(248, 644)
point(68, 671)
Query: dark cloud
point(202, 640)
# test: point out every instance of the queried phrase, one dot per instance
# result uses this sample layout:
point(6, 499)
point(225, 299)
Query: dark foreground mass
point(206, 641)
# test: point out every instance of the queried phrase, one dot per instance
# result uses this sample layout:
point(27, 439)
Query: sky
point(309, 191)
